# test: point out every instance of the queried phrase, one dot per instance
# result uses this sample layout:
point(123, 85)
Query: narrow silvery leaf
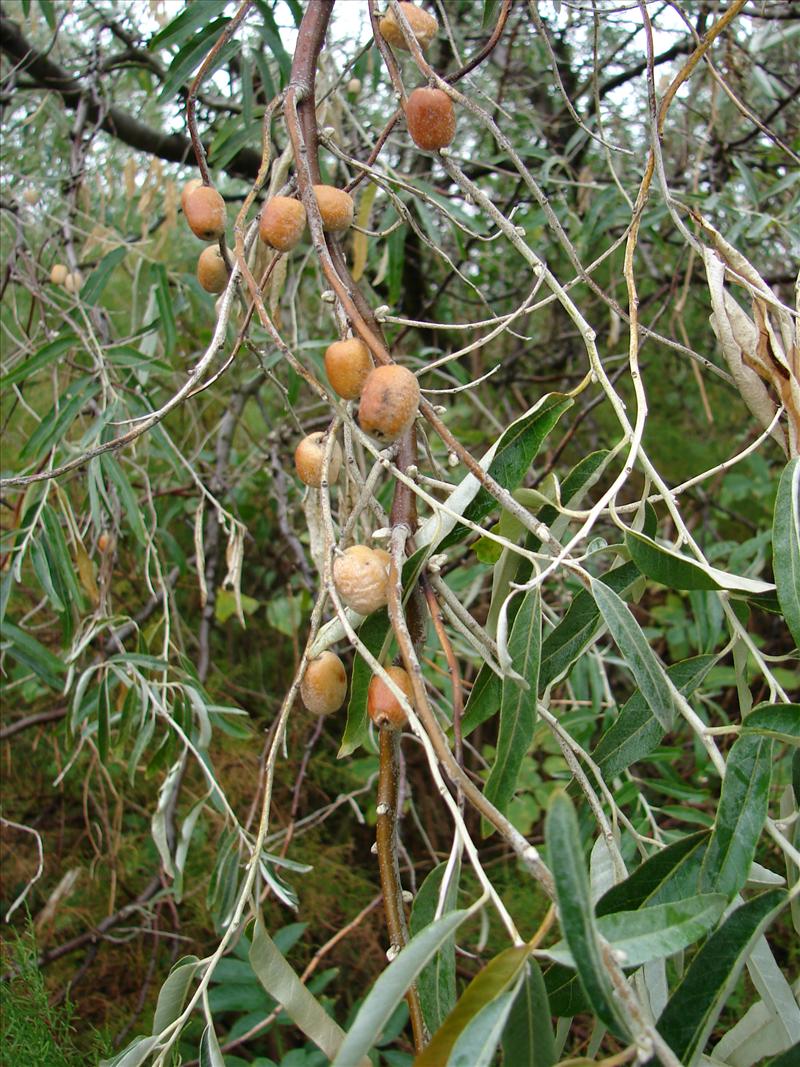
point(676, 571)
point(280, 981)
point(134, 1055)
point(210, 1055)
point(786, 546)
point(518, 706)
point(159, 820)
point(391, 986)
point(528, 1034)
point(694, 1007)
point(478, 1041)
point(740, 816)
point(642, 662)
point(173, 993)
point(437, 980)
point(575, 908)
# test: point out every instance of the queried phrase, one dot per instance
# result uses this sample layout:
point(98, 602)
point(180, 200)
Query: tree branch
point(173, 147)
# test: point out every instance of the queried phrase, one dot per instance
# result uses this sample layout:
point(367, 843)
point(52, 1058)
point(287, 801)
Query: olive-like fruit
point(324, 684)
point(382, 554)
point(282, 223)
point(73, 282)
point(309, 457)
point(423, 25)
point(383, 707)
point(359, 575)
point(104, 541)
point(430, 118)
point(188, 189)
point(335, 206)
point(347, 364)
point(389, 402)
point(31, 196)
point(205, 213)
point(58, 275)
point(354, 86)
point(211, 270)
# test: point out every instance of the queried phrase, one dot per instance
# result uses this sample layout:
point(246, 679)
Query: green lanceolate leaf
point(478, 1041)
point(27, 650)
point(518, 706)
point(652, 933)
point(636, 731)
point(98, 279)
point(740, 816)
point(528, 1034)
point(391, 986)
point(54, 426)
point(640, 659)
point(45, 357)
point(496, 978)
point(172, 995)
point(282, 983)
point(575, 907)
point(436, 984)
point(781, 721)
point(181, 28)
point(694, 1007)
point(579, 627)
point(484, 699)
point(786, 546)
point(677, 571)
point(670, 874)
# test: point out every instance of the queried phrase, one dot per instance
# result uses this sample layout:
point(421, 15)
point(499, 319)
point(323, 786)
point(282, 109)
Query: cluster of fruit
point(388, 395)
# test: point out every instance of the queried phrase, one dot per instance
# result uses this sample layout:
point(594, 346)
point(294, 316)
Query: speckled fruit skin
point(324, 685)
point(381, 553)
point(423, 24)
point(205, 213)
point(309, 456)
point(389, 402)
point(347, 364)
point(211, 270)
point(283, 221)
point(58, 275)
point(383, 707)
point(188, 189)
point(360, 578)
point(430, 118)
point(336, 208)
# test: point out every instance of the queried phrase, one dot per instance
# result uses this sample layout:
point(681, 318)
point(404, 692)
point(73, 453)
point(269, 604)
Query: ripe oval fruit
point(430, 118)
point(58, 275)
point(382, 554)
point(73, 282)
point(389, 402)
point(383, 707)
point(423, 25)
point(205, 213)
point(211, 270)
point(103, 541)
point(354, 86)
point(335, 206)
point(309, 456)
point(347, 364)
point(360, 578)
point(324, 685)
point(31, 196)
point(188, 189)
point(283, 221)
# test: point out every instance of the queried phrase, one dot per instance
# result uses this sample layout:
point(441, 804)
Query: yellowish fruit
point(424, 26)
point(324, 685)
point(31, 196)
point(383, 707)
point(309, 457)
point(282, 223)
point(205, 213)
point(354, 86)
point(73, 282)
point(383, 555)
point(359, 575)
point(347, 364)
point(103, 541)
point(58, 275)
point(389, 402)
point(211, 270)
point(431, 119)
point(335, 206)
point(188, 189)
